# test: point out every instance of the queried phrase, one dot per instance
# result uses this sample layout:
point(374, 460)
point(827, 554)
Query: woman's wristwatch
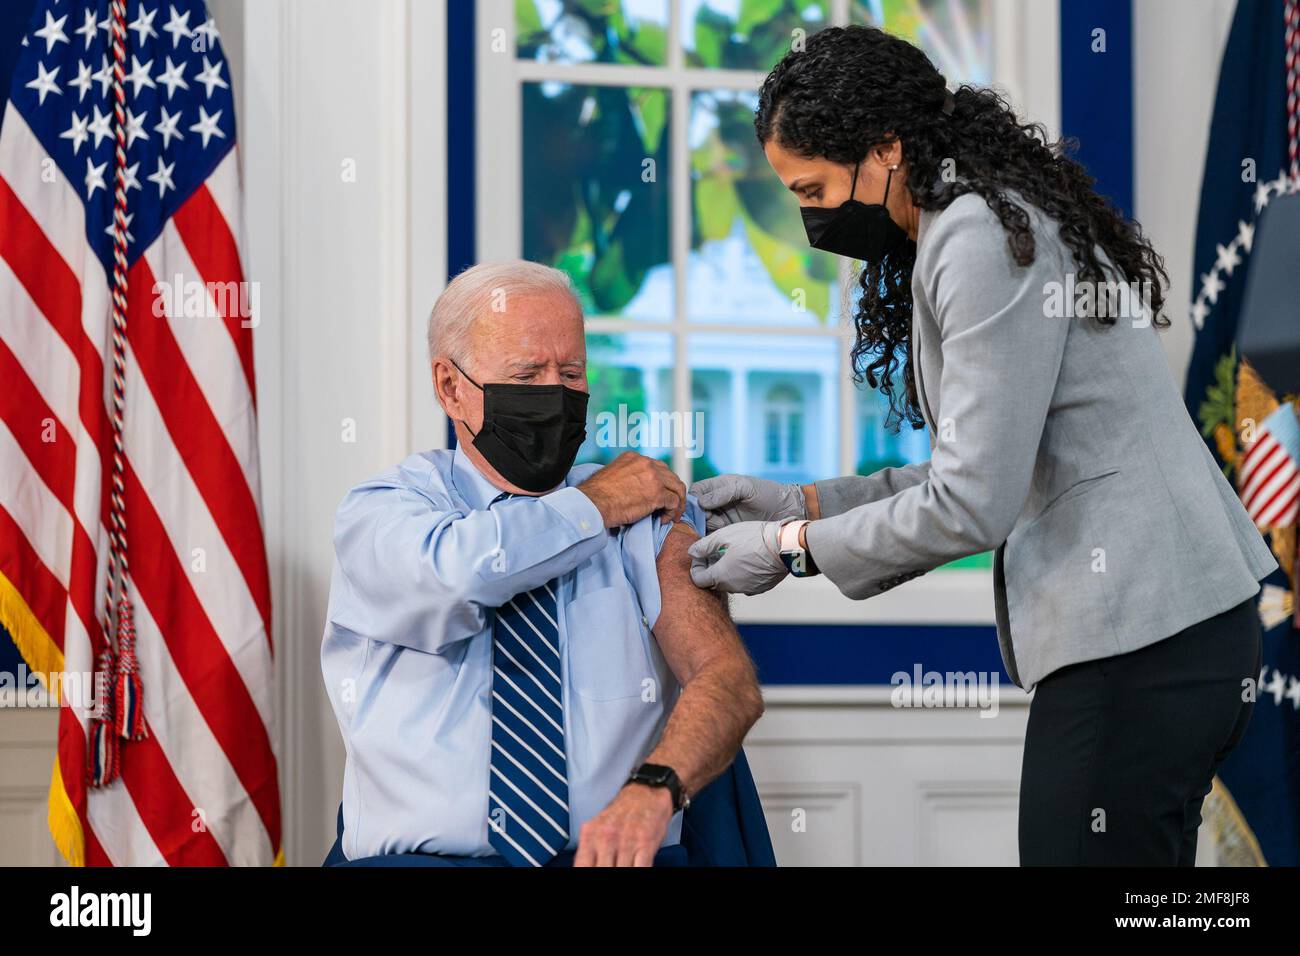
point(796, 558)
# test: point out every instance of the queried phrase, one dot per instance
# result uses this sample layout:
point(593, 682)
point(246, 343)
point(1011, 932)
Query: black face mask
point(854, 229)
point(530, 433)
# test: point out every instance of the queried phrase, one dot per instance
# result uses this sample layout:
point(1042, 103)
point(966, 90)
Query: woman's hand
point(742, 558)
point(729, 499)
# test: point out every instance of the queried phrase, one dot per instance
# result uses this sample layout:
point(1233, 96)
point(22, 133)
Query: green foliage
point(610, 386)
point(702, 468)
point(731, 178)
point(610, 36)
point(588, 208)
point(1220, 404)
point(757, 37)
point(869, 466)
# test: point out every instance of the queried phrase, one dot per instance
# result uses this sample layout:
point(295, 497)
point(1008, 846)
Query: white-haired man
point(521, 668)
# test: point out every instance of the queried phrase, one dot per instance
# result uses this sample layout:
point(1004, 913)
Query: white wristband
point(789, 538)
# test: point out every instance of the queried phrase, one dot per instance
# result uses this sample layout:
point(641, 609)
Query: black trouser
point(1120, 752)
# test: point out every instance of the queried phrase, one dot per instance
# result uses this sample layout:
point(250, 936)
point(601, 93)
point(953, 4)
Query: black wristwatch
point(657, 775)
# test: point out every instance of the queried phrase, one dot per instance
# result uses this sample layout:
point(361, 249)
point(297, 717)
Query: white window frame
point(1026, 67)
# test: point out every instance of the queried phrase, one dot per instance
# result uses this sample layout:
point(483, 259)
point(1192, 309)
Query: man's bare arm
point(720, 698)
point(720, 701)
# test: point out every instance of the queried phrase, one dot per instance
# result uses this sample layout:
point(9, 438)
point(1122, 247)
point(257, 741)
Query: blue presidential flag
point(1254, 813)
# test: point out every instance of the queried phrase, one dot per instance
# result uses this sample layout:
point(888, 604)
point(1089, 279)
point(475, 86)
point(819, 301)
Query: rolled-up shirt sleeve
point(640, 544)
point(413, 570)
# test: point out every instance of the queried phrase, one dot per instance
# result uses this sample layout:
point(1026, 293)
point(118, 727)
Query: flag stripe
point(210, 353)
point(194, 752)
point(212, 249)
point(27, 416)
point(17, 468)
point(1268, 468)
point(195, 540)
point(198, 438)
point(201, 660)
point(39, 267)
point(1275, 509)
point(33, 579)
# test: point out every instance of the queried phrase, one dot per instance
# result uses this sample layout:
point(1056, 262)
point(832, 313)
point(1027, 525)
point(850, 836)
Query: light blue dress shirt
point(423, 557)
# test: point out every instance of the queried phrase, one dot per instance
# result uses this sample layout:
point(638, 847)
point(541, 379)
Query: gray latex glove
point(742, 558)
point(728, 499)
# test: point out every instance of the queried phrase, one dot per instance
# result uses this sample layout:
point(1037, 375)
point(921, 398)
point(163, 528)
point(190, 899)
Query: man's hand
point(629, 831)
point(730, 499)
point(631, 487)
point(742, 558)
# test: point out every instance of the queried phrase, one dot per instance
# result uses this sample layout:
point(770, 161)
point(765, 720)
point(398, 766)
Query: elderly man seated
point(520, 666)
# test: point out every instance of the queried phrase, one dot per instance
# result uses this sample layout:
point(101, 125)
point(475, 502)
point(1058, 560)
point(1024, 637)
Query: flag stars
point(1261, 196)
point(1200, 311)
point(83, 80)
point(143, 25)
point(87, 28)
point(99, 126)
point(1211, 286)
point(77, 132)
point(1245, 235)
point(44, 82)
point(207, 125)
point(1227, 258)
point(112, 228)
point(173, 77)
point(162, 176)
point(167, 127)
point(211, 77)
point(52, 32)
point(178, 26)
point(135, 126)
point(95, 177)
point(209, 32)
point(130, 179)
point(139, 74)
point(105, 75)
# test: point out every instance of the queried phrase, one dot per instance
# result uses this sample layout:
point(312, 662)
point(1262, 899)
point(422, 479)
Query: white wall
point(341, 131)
point(1178, 46)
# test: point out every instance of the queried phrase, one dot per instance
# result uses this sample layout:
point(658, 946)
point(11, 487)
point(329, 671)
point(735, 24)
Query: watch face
point(796, 562)
point(655, 773)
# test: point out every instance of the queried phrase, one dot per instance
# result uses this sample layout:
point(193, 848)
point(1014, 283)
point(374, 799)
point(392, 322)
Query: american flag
point(199, 785)
point(1270, 471)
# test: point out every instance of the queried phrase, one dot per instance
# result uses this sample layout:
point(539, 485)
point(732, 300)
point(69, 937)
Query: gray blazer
point(1062, 444)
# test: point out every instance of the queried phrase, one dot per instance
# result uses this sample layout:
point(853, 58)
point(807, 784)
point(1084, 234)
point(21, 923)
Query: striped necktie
point(528, 787)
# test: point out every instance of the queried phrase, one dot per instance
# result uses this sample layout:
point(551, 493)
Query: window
point(616, 143)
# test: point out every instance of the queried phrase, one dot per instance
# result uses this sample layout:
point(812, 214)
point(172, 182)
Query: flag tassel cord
point(118, 714)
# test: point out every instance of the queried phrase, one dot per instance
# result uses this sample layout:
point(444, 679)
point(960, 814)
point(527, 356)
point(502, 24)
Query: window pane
point(630, 393)
point(957, 35)
point(592, 31)
point(877, 448)
point(746, 34)
point(769, 405)
point(750, 261)
point(595, 193)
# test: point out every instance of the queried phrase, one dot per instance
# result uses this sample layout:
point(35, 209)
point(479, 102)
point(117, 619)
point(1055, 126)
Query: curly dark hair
point(853, 88)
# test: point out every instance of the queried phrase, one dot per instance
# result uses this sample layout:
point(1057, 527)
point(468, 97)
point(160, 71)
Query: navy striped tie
point(528, 786)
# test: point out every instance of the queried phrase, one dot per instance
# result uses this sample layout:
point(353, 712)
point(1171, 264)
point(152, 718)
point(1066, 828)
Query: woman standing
point(1015, 305)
